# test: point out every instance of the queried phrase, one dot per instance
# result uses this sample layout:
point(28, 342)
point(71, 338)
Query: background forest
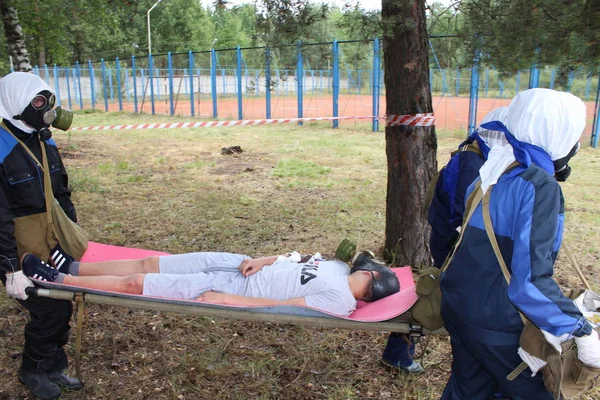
point(510, 33)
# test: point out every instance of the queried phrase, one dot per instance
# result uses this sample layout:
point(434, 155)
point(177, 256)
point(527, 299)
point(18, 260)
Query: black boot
point(65, 381)
point(39, 384)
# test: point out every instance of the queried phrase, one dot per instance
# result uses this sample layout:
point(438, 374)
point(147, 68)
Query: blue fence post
point(300, 80)
point(268, 80)
point(104, 84)
point(376, 67)
point(213, 80)
point(191, 68)
point(336, 82)
point(238, 52)
point(151, 77)
point(518, 82)
point(596, 123)
point(133, 75)
point(92, 79)
point(67, 73)
point(534, 73)
point(78, 70)
point(56, 85)
point(552, 76)
point(170, 71)
point(457, 82)
point(474, 93)
point(119, 94)
point(47, 74)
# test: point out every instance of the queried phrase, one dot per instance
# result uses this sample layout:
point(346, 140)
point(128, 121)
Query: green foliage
point(511, 34)
point(515, 33)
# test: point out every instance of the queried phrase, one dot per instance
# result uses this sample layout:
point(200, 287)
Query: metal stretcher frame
point(402, 323)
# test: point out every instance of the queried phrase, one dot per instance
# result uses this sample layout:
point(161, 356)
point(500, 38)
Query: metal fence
point(304, 80)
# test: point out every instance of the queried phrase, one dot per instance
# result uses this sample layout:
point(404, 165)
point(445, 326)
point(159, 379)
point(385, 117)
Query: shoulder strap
point(473, 146)
point(431, 191)
point(472, 203)
point(44, 167)
point(489, 229)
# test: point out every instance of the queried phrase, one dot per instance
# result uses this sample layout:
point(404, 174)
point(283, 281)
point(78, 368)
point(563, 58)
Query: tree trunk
point(42, 52)
point(14, 37)
point(411, 150)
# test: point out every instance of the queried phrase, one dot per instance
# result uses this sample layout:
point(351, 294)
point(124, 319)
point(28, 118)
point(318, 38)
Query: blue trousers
point(399, 351)
point(478, 370)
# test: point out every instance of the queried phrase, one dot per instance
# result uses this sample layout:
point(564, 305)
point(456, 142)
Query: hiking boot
point(60, 260)
point(65, 381)
point(35, 268)
point(414, 369)
point(39, 384)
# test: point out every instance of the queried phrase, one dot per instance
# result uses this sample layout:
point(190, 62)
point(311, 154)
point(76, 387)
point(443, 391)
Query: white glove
point(588, 349)
point(16, 283)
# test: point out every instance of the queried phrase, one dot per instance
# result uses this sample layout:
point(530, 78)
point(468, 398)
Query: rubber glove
point(16, 283)
point(588, 349)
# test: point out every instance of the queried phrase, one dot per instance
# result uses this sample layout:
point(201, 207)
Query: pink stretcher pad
point(381, 310)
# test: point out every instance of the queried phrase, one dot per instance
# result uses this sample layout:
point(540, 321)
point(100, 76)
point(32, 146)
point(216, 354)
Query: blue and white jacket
point(527, 211)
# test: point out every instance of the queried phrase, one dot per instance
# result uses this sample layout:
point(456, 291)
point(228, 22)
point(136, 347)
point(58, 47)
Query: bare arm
point(235, 300)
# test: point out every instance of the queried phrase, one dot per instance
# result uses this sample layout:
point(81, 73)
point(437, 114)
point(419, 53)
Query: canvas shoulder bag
point(565, 376)
point(38, 233)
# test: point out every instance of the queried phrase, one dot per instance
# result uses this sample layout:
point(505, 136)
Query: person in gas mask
point(27, 111)
point(526, 207)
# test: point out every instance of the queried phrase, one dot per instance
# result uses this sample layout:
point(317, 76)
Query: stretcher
point(388, 314)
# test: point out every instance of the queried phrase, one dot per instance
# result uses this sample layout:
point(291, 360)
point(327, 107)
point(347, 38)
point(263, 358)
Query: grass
point(293, 188)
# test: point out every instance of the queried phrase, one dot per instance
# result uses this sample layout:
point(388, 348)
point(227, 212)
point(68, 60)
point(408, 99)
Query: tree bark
point(14, 37)
point(411, 150)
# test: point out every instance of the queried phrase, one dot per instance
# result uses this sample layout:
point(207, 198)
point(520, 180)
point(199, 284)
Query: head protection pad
point(386, 285)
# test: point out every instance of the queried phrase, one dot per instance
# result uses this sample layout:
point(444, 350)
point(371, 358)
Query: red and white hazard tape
point(391, 120)
point(427, 119)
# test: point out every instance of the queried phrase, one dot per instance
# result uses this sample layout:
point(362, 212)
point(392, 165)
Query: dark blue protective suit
point(479, 308)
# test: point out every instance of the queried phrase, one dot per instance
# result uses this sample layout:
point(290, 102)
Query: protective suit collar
point(542, 125)
point(17, 89)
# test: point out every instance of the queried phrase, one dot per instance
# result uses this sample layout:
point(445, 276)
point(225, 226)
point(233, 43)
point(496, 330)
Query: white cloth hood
point(17, 89)
point(548, 119)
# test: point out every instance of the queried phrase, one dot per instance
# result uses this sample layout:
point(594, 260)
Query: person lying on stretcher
point(231, 279)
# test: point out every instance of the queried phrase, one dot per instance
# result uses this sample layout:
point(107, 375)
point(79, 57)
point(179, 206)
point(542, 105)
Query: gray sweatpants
point(187, 276)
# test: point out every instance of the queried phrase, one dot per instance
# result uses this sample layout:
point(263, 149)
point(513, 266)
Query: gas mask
point(562, 170)
point(40, 114)
point(387, 283)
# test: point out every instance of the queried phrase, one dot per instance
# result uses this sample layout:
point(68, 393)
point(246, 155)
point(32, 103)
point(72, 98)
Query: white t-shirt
point(323, 284)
